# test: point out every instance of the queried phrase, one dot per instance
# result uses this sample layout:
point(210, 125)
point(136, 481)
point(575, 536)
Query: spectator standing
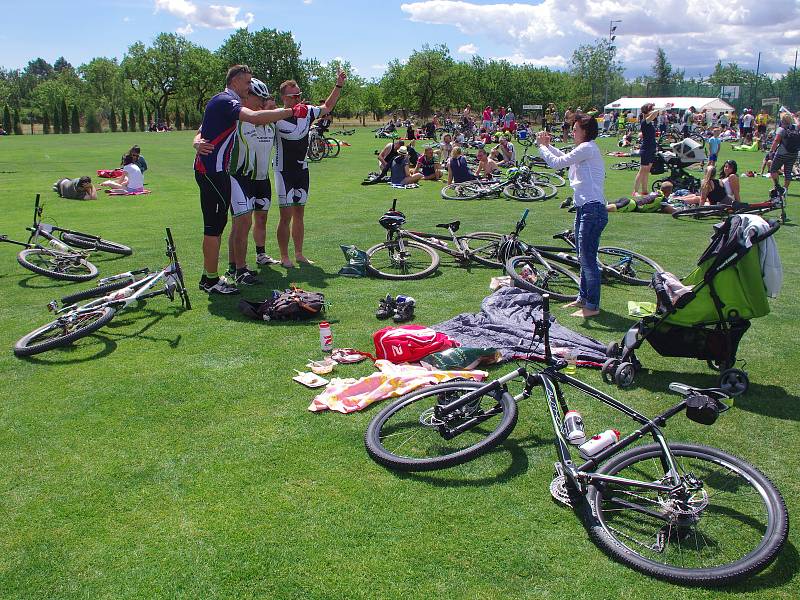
point(647, 153)
point(486, 118)
point(688, 121)
point(747, 126)
point(586, 177)
point(714, 146)
point(784, 150)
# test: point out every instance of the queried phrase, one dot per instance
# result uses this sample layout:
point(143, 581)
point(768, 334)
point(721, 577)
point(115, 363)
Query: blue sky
point(369, 33)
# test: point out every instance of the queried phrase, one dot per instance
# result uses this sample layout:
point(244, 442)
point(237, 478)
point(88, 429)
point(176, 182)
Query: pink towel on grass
point(127, 193)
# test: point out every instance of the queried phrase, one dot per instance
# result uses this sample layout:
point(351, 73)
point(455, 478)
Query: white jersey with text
point(252, 150)
point(292, 141)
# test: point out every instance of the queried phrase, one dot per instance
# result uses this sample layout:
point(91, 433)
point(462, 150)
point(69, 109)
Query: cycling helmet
point(392, 220)
point(509, 246)
point(259, 88)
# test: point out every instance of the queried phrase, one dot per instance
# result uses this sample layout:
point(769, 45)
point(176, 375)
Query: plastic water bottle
point(573, 428)
point(57, 245)
point(325, 336)
point(599, 443)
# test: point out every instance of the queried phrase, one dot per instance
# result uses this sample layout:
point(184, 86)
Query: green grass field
point(170, 455)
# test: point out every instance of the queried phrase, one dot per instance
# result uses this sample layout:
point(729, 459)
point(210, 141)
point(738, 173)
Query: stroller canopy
point(688, 151)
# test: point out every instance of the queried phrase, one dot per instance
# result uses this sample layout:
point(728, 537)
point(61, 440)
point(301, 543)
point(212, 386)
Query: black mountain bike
point(682, 512)
point(113, 294)
point(718, 212)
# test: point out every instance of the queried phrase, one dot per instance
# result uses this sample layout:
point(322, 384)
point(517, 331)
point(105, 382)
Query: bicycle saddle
point(687, 390)
point(454, 225)
point(563, 235)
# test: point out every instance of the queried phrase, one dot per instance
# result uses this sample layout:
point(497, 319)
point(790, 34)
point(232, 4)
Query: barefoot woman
point(586, 177)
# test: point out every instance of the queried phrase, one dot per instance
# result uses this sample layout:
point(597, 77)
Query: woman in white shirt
point(131, 180)
point(587, 174)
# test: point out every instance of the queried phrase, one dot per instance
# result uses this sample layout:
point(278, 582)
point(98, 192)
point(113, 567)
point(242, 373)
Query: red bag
point(409, 343)
point(109, 173)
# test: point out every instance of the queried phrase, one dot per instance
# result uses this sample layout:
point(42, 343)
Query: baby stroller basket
point(706, 314)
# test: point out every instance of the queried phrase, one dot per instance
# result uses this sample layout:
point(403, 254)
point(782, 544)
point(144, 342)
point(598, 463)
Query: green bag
point(356, 262)
point(462, 358)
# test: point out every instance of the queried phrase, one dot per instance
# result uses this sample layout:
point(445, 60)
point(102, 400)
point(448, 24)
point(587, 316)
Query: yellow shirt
point(762, 119)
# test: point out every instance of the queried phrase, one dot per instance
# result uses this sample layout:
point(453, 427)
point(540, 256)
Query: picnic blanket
point(110, 173)
point(507, 322)
point(126, 192)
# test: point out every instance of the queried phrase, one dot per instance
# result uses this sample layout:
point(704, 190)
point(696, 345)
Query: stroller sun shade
point(688, 151)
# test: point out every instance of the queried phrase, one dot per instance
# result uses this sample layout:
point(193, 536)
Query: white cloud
point(185, 30)
point(211, 16)
point(468, 49)
point(307, 1)
point(379, 67)
point(693, 35)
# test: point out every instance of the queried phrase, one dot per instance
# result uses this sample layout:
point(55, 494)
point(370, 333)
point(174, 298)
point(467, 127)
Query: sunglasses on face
point(297, 95)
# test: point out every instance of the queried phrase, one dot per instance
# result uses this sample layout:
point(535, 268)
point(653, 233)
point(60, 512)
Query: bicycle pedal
point(559, 492)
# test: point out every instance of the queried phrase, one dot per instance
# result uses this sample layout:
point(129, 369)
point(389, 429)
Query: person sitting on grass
point(711, 190)
point(138, 159)
point(457, 168)
point(653, 202)
point(487, 168)
point(505, 152)
point(428, 166)
point(387, 156)
point(80, 188)
point(401, 172)
point(131, 180)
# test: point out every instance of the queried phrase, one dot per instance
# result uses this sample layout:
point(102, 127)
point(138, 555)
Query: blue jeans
point(590, 220)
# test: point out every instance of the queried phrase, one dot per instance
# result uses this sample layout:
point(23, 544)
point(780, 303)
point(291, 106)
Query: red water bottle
point(325, 336)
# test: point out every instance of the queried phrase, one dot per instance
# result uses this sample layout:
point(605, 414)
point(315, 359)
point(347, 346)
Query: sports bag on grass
point(409, 343)
point(289, 305)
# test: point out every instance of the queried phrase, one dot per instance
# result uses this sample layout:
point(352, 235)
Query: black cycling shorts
point(785, 162)
point(215, 200)
point(292, 187)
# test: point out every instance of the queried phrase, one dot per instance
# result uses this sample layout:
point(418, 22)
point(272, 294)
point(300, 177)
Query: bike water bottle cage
point(702, 409)
point(392, 220)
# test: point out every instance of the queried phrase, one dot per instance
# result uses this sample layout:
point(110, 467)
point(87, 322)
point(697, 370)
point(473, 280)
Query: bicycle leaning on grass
point(410, 254)
point(113, 294)
point(682, 512)
point(518, 183)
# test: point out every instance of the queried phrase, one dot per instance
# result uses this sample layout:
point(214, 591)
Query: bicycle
point(681, 512)
point(719, 212)
point(626, 165)
point(113, 294)
point(414, 254)
point(536, 268)
point(517, 184)
point(344, 132)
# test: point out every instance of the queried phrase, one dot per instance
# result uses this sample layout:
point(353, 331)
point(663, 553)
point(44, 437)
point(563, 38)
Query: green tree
point(92, 121)
point(45, 124)
point(112, 120)
point(64, 116)
point(75, 122)
point(132, 120)
point(56, 120)
point(594, 66)
point(422, 83)
point(123, 122)
point(202, 77)
point(142, 123)
point(274, 56)
point(664, 78)
point(62, 65)
point(7, 125)
point(178, 122)
point(15, 123)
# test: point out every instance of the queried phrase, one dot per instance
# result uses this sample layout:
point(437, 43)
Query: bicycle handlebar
point(521, 223)
point(394, 204)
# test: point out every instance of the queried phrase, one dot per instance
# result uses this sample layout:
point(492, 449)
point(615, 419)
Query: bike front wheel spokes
point(409, 260)
point(63, 331)
point(534, 274)
point(694, 213)
point(58, 265)
point(412, 435)
point(628, 266)
point(727, 523)
point(524, 193)
point(462, 191)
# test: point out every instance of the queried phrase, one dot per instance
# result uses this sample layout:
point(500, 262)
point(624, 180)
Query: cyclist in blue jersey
point(212, 166)
point(291, 169)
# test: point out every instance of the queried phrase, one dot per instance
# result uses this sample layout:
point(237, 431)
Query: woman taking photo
point(647, 154)
point(586, 177)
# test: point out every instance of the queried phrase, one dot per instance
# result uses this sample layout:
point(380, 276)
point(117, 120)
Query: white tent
point(677, 103)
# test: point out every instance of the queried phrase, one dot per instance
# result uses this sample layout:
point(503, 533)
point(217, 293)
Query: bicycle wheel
point(59, 333)
point(316, 148)
point(657, 184)
point(732, 525)
point(695, 213)
point(468, 190)
point(96, 292)
point(408, 436)
point(82, 240)
point(551, 178)
point(629, 267)
point(415, 261)
point(532, 273)
point(484, 245)
point(333, 147)
point(620, 166)
point(524, 193)
point(67, 267)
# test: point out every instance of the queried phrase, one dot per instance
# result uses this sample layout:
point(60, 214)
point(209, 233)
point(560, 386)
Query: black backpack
point(290, 305)
point(791, 140)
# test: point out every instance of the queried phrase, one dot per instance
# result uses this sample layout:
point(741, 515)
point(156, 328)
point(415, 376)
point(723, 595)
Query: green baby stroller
point(705, 315)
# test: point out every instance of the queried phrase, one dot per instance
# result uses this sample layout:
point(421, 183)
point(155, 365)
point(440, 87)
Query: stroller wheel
point(608, 369)
point(734, 382)
point(612, 350)
point(624, 374)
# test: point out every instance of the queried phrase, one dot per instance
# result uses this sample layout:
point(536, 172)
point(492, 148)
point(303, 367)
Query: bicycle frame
point(46, 230)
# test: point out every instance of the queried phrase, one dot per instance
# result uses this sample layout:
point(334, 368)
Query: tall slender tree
point(56, 120)
point(132, 120)
point(7, 118)
point(75, 120)
point(16, 124)
point(112, 120)
point(64, 116)
point(123, 121)
point(45, 123)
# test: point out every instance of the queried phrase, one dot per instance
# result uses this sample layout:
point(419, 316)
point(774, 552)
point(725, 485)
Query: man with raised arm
point(291, 169)
point(212, 166)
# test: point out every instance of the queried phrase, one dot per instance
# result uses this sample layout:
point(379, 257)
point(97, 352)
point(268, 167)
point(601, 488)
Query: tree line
point(172, 79)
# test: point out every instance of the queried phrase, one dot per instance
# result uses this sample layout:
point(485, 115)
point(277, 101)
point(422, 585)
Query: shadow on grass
point(781, 572)
point(514, 449)
point(153, 317)
point(44, 282)
point(61, 356)
point(767, 400)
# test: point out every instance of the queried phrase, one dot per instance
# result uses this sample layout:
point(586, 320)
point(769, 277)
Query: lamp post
point(611, 37)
